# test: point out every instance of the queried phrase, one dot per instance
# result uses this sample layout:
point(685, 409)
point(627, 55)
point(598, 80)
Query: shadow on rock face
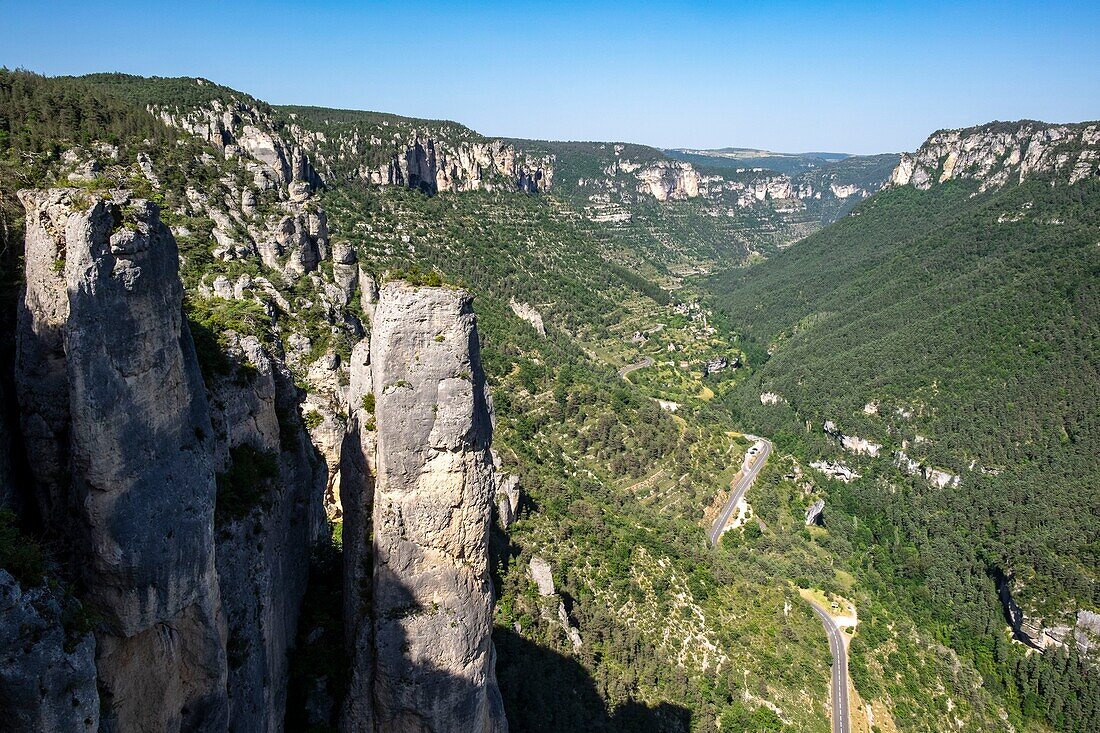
point(547, 692)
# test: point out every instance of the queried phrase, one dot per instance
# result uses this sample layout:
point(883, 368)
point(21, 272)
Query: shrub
point(20, 555)
point(245, 484)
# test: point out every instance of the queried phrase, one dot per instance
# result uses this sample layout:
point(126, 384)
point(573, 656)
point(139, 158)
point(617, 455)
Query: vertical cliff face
point(263, 550)
point(357, 470)
point(118, 435)
point(999, 153)
point(47, 680)
point(429, 491)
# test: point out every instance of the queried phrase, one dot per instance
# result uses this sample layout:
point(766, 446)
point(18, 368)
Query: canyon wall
point(119, 439)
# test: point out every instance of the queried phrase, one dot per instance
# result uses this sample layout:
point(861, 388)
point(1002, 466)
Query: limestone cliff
point(1003, 152)
point(429, 492)
point(119, 439)
point(263, 549)
point(299, 151)
point(47, 675)
point(358, 466)
point(241, 128)
point(665, 180)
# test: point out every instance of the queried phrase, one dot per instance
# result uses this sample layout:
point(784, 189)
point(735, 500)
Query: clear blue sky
point(846, 76)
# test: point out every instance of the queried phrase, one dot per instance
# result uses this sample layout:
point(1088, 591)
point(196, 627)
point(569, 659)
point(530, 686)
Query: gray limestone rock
point(263, 557)
point(357, 470)
point(431, 598)
point(119, 439)
point(47, 677)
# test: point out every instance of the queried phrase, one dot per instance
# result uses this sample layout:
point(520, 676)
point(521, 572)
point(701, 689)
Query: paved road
point(739, 490)
point(646, 362)
point(841, 719)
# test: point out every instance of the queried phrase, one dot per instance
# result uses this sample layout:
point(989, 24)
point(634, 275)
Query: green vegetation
point(246, 483)
point(20, 555)
point(968, 318)
point(971, 321)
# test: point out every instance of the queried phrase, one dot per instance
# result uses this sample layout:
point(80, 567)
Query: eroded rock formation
point(119, 439)
point(263, 549)
point(1001, 152)
point(47, 679)
point(429, 490)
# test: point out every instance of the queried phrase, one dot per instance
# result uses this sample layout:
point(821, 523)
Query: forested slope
point(957, 330)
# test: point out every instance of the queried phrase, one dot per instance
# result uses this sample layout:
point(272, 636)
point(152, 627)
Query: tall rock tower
point(429, 494)
point(118, 434)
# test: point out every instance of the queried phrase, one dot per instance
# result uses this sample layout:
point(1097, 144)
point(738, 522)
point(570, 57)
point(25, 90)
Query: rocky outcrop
point(542, 575)
point(1003, 152)
point(241, 130)
point(528, 313)
point(665, 180)
point(263, 549)
point(358, 466)
point(119, 440)
point(836, 470)
point(1081, 629)
point(851, 443)
point(47, 675)
point(813, 514)
point(436, 165)
point(429, 490)
point(506, 495)
point(935, 476)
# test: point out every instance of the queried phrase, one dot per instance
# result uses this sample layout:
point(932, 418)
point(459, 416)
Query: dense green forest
point(969, 320)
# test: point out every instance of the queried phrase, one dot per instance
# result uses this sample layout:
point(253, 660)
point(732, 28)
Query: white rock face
point(935, 476)
point(119, 438)
point(837, 470)
point(528, 313)
point(542, 575)
point(507, 498)
point(814, 512)
point(770, 398)
point(998, 153)
point(666, 180)
point(852, 443)
point(436, 164)
point(433, 484)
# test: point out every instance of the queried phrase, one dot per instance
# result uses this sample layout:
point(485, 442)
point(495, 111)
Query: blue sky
point(855, 77)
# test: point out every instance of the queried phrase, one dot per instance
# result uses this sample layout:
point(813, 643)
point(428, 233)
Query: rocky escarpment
point(241, 130)
point(118, 434)
point(429, 488)
point(436, 165)
point(299, 150)
point(631, 174)
point(1080, 629)
point(47, 675)
point(665, 179)
point(1003, 152)
point(386, 150)
point(263, 539)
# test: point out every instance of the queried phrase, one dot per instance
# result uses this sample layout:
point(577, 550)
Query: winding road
point(646, 362)
point(841, 718)
point(765, 447)
point(839, 683)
